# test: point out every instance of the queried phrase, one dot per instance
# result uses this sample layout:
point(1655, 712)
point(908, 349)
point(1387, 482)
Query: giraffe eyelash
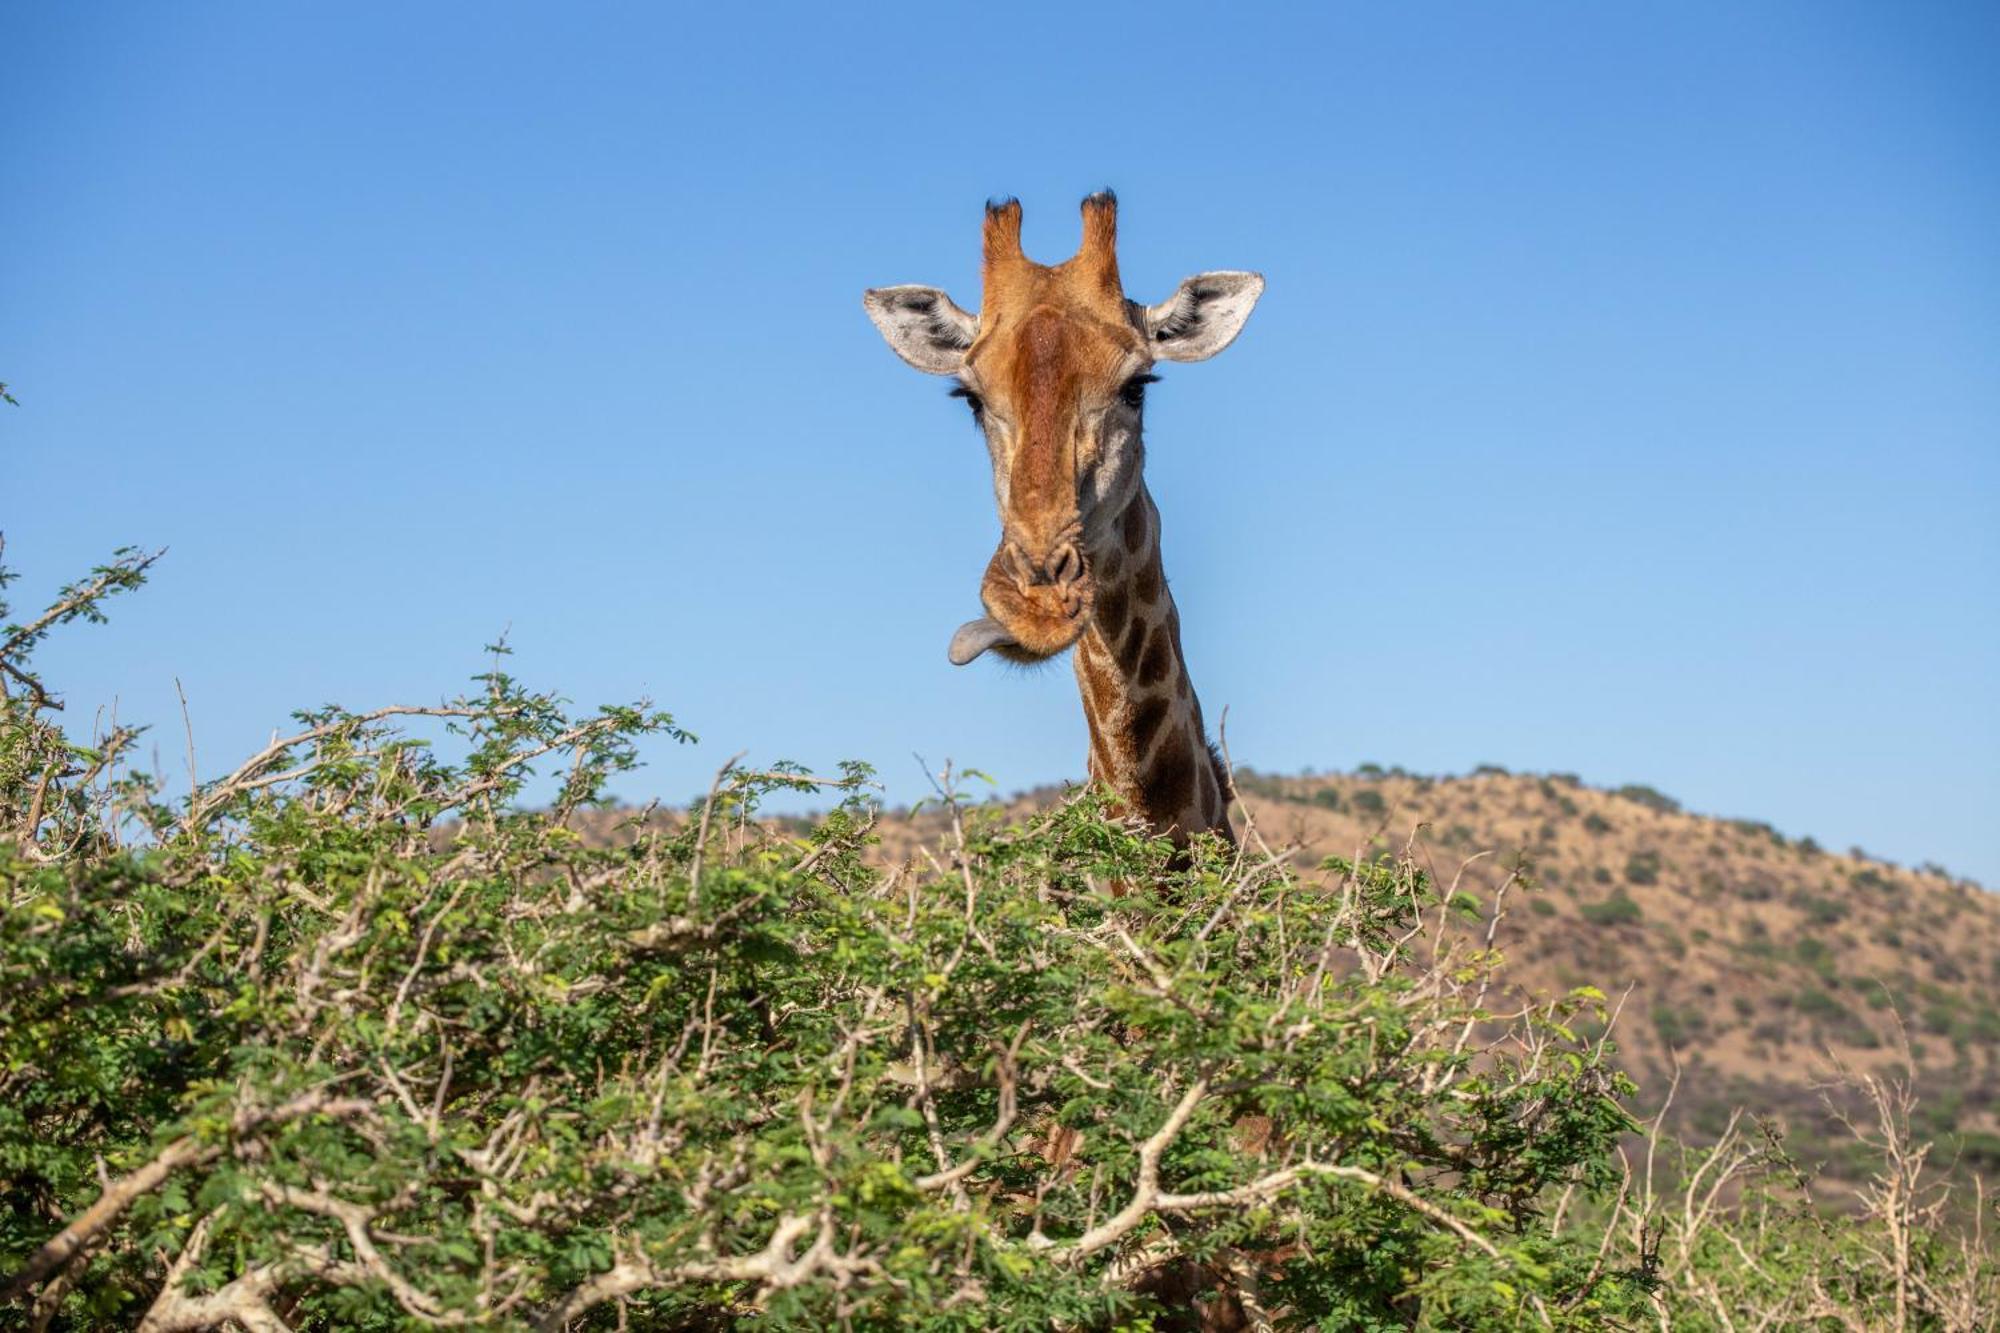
point(972, 400)
point(1133, 392)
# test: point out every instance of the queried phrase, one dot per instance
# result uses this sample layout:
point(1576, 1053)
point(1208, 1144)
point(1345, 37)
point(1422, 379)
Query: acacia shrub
point(350, 1038)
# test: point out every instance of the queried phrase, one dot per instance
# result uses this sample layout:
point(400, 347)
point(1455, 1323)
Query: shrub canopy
point(351, 1039)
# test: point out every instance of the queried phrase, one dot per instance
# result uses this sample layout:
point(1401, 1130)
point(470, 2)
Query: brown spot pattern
point(1170, 783)
point(1153, 666)
point(1147, 719)
point(1112, 604)
point(1128, 651)
point(1146, 586)
point(1135, 523)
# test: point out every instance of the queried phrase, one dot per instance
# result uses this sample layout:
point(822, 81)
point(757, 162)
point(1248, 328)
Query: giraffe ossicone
point(1055, 366)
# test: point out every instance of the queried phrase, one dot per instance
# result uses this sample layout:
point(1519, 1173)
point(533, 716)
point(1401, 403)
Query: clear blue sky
point(1625, 399)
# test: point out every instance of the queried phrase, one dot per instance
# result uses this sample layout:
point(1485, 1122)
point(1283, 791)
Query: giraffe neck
point(1147, 743)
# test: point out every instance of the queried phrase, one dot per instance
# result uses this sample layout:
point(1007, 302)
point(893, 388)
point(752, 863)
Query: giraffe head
point(1055, 367)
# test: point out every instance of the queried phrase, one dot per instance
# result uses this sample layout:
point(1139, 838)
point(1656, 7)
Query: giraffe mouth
point(1030, 617)
point(975, 637)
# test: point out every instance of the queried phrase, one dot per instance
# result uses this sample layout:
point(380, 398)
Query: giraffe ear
point(1204, 316)
point(922, 326)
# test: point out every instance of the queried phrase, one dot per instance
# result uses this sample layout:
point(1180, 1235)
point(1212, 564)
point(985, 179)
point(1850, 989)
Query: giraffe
point(1055, 367)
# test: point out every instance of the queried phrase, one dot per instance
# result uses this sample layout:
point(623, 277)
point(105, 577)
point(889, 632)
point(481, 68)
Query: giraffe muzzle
point(1036, 606)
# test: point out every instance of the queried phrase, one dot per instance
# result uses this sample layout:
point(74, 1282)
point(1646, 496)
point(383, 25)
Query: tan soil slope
point(1755, 959)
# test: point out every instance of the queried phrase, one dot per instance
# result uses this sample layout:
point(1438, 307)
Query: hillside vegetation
point(350, 1037)
point(1760, 963)
point(1762, 966)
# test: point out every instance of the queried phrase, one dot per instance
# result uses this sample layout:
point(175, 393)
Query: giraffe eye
point(972, 400)
point(1133, 392)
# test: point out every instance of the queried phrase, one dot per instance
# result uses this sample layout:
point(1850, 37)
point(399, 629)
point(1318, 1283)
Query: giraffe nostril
point(1062, 568)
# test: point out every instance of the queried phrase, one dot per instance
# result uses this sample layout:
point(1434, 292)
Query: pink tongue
point(975, 637)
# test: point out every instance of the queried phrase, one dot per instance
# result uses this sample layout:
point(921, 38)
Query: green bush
point(1818, 1004)
point(1757, 829)
point(1872, 880)
point(1368, 801)
point(353, 1038)
point(1833, 1018)
point(1976, 1149)
point(1944, 1018)
point(1250, 782)
point(1815, 954)
point(1757, 886)
point(354, 1035)
point(1617, 910)
point(1640, 794)
point(1643, 868)
point(1678, 1026)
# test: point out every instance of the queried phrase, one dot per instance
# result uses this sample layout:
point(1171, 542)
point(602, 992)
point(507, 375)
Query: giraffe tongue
point(975, 637)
